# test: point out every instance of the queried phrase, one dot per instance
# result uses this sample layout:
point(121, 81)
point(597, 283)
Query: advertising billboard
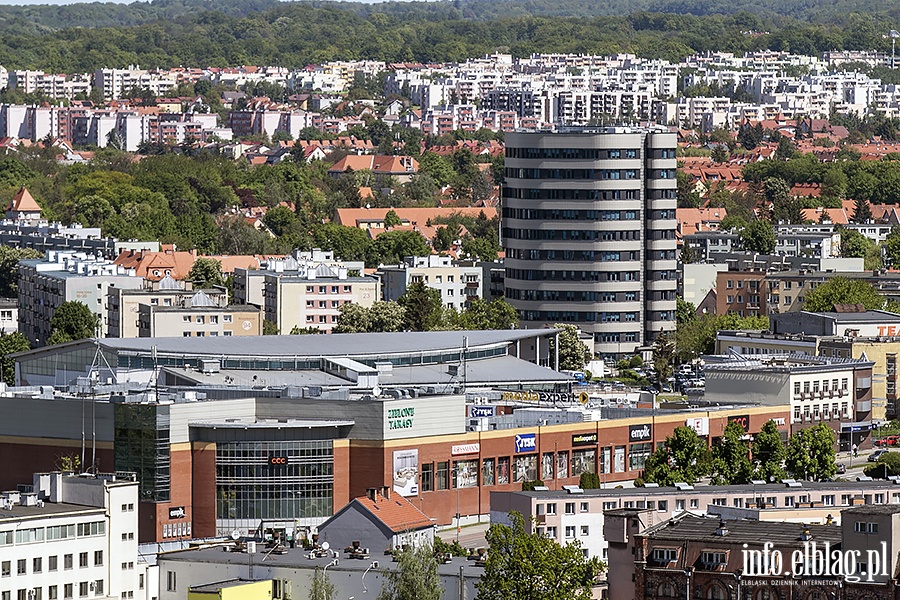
point(406, 472)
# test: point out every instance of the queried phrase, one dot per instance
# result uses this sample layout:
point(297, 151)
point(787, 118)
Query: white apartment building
point(458, 284)
point(116, 82)
point(63, 276)
point(575, 514)
point(72, 537)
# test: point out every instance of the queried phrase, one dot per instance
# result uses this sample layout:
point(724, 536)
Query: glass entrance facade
point(270, 480)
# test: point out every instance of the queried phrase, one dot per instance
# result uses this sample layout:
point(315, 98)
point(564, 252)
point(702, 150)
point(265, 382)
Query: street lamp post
point(333, 563)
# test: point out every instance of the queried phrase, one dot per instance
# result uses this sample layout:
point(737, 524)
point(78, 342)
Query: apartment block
point(46, 283)
point(459, 285)
point(311, 298)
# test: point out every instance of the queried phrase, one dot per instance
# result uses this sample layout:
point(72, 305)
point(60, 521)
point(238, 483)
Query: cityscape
point(456, 299)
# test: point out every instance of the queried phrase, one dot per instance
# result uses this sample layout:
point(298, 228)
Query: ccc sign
point(278, 461)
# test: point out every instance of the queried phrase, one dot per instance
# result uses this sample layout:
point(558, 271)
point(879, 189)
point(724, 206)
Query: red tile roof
point(398, 513)
point(23, 201)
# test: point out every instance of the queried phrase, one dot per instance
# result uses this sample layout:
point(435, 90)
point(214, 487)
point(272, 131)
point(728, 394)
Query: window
point(428, 477)
point(170, 581)
point(226, 318)
point(21, 567)
point(83, 560)
point(712, 559)
point(679, 505)
point(828, 500)
point(67, 590)
point(67, 562)
point(694, 503)
point(570, 508)
point(443, 472)
point(551, 508)
point(98, 587)
point(862, 527)
point(503, 470)
point(141, 581)
point(585, 507)
point(585, 531)
point(52, 593)
point(98, 558)
point(51, 563)
point(6, 568)
point(665, 555)
point(487, 471)
point(36, 565)
point(83, 589)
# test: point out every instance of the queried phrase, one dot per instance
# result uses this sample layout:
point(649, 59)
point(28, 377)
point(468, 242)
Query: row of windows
point(37, 534)
point(553, 275)
point(553, 214)
point(825, 411)
point(824, 385)
point(568, 194)
point(572, 153)
point(37, 563)
point(569, 235)
point(571, 296)
point(576, 255)
point(85, 589)
point(576, 174)
point(615, 337)
point(571, 316)
point(503, 470)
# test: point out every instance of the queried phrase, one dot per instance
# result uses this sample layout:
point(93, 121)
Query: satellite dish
point(326, 546)
point(235, 535)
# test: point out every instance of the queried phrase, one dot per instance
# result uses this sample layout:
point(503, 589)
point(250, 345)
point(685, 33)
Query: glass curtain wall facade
point(142, 446)
point(274, 480)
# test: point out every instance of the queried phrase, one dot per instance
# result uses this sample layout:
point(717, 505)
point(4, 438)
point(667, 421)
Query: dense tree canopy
point(85, 37)
point(533, 566)
point(71, 321)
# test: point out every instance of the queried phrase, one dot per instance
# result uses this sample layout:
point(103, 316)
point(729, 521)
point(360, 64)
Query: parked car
point(876, 455)
point(890, 440)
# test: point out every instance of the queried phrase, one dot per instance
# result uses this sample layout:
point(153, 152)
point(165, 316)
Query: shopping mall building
point(280, 432)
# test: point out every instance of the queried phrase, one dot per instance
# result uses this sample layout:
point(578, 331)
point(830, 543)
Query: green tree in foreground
point(731, 458)
point(321, 588)
point(663, 359)
point(72, 321)
point(769, 453)
point(573, 354)
point(10, 343)
point(9, 268)
point(529, 566)
point(810, 453)
point(415, 578)
point(423, 307)
point(758, 236)
point(843, 290)
point(683, 458)
point(205, 273)
point(888, 465)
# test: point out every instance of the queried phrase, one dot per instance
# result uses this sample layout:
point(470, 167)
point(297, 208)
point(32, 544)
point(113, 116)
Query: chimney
point(723, 529)
point(372, 494)
point(386, 491)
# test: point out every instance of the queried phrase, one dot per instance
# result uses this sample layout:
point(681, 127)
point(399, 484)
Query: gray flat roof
point(336, 344)
point(749, 489)
point(297, 558)
point(703, 529)
point(49, 509)
point(271, 423)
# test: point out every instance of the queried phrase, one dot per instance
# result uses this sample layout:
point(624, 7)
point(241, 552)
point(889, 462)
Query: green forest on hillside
point(166, 33)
